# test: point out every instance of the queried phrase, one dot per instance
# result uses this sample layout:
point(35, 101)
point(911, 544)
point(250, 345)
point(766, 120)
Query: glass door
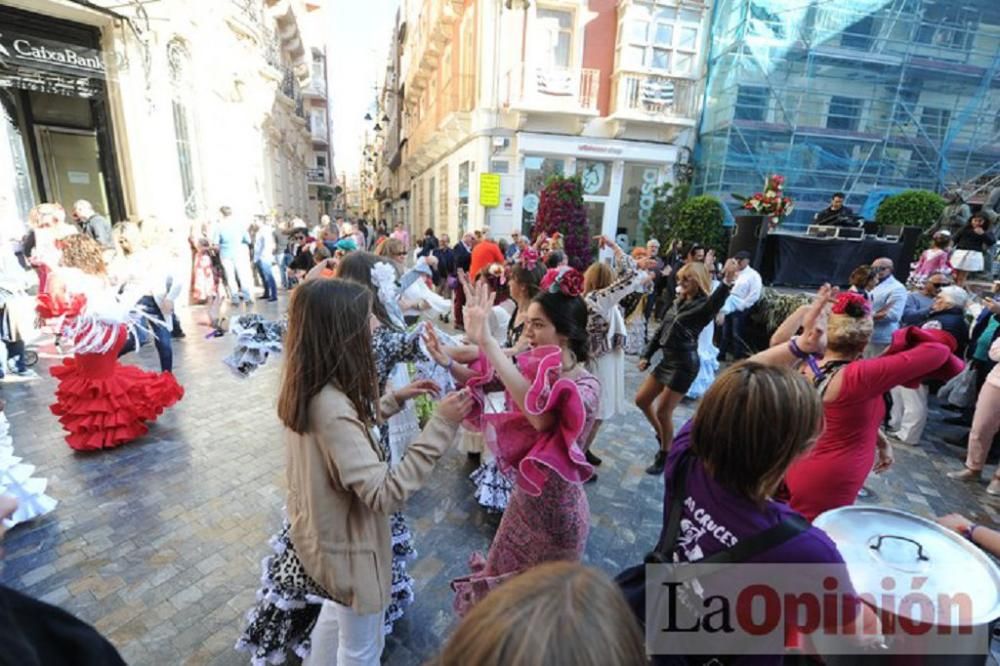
point(71, 166)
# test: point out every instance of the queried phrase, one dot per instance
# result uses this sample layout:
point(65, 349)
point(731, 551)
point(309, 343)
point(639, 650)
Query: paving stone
point(159, 542)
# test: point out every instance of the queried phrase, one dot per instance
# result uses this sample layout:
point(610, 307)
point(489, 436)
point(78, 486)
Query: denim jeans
point(265, 269)
point(283, 260)
point(161, 336)
point(734, 335)
point(15, 350)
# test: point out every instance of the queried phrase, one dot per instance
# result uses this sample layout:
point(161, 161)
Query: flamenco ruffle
point(493, 489)
point(17, 479)
point(256, 339)
point(101, 413)
point(473, 587)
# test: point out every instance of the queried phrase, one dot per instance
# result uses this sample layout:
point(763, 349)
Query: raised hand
point(478, 307)
point(730, 269)
point(813, 338)
point(434, 345)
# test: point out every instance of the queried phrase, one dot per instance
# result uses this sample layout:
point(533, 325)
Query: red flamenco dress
point(100, 402)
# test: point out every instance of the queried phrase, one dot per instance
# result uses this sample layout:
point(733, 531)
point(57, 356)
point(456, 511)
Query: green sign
point(489, 189)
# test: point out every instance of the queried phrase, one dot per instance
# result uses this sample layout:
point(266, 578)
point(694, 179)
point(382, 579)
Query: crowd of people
point(525, 358)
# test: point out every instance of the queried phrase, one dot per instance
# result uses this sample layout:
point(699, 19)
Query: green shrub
point(700, 219)
point(664, 213)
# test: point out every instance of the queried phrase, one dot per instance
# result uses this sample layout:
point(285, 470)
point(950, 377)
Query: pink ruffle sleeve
point(516, 444)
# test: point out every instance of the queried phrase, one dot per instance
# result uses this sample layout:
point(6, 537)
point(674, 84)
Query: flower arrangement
point(772, 202)
point(565, 280)
point(528, 258)
point(561, 211)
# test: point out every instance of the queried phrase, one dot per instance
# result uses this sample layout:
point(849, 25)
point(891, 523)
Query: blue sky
point(356, 51)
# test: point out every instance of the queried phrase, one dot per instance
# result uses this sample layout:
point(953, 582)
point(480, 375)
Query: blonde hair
point(46, 210)
point(699, 273)
point(598, 276)
point(848, 335)
point(390, 247)
point(752, 423)
point(555, 613)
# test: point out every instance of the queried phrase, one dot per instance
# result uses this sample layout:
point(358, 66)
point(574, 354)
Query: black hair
point(568, 315)
point(839, 194)
point(694, 248)
point(357, 267)
point(555, 258)
point(986, 221)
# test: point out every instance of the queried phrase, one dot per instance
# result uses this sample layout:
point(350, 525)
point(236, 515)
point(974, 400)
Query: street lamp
point(368, 116)
point(377, 128)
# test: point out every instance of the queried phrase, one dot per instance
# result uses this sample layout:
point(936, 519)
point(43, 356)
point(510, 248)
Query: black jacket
point(842, 217)
point(952, 321)
point(463, 257)
point(428, 246)
point(967, 239)
point(446, 261)
point(683, 323)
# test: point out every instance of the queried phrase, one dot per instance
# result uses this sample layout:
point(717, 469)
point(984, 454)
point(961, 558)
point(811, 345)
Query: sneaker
point(592, 459)
point(659, 462)
point(994, 487)
point(179, 336)
point(965, 474)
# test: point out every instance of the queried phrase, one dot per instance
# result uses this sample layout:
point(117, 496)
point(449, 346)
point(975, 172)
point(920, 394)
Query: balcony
point(552, 90)
point(652, 99)
point(316, 176)
point(428, 38)
point(441, 124)
point(246, 17)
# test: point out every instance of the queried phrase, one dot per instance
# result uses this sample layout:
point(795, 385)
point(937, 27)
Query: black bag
point(632, 581)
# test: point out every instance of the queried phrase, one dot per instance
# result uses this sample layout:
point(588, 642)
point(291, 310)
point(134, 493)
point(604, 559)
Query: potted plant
point(771, 203)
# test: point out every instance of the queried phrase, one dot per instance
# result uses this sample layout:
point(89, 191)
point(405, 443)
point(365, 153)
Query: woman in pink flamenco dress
point(100, 403)
point(551, 404)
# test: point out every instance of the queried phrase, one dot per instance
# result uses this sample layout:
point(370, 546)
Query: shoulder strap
point(788, 528)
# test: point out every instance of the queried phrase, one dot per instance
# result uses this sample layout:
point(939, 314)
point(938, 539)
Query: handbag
point(960, 390)
point(632, 581)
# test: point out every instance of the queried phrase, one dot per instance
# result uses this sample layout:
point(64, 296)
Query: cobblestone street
point(158, 543)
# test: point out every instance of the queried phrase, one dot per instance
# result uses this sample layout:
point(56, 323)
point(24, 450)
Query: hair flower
point(852, 304)
point(528, 258)
point(565, 280)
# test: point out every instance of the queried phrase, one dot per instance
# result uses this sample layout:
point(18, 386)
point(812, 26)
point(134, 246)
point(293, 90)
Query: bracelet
point(797, 352)
point(968, 532)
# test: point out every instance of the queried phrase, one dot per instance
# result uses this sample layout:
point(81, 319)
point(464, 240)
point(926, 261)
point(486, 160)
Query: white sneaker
point(25, 376)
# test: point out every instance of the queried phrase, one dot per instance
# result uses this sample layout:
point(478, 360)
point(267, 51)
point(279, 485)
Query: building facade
point(860, 97)
point(320, 174)
point(165, 110)
point(512, 91)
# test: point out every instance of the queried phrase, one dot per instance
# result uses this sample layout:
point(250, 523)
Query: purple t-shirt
point(715, 519)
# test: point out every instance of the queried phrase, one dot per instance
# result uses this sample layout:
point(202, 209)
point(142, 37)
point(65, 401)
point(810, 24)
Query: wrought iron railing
point(251, 10)
point(272, 49)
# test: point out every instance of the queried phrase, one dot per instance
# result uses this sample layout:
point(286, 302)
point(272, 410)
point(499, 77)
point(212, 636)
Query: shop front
point(618, 178)
point(56, 139)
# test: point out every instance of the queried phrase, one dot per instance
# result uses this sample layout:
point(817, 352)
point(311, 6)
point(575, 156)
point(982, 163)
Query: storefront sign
point(647, 198)
point(489, 190)
point(52, 84)
point(508, 203)
point(603, 150)
point(46, 54)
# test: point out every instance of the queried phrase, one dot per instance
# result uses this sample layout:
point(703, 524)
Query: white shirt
point(745, 293)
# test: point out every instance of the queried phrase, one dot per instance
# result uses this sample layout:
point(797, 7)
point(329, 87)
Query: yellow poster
point(489, 189)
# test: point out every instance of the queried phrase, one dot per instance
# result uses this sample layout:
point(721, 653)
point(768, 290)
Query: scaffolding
point(865, 97)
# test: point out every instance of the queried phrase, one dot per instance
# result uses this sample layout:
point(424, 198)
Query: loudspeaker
point(745, 235)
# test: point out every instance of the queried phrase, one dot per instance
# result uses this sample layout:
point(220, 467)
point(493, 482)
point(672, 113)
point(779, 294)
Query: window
point(663, 38)
point(751, 103)
point(595, 177)
point(948, 24)
point(536, 171)
point(463, 198)
point(321, 161)
point(503, 166)
point(179, 62)
point(431, 202)
point(638, 198)
point(555, 31)
point(935, 122)
point(844, 113)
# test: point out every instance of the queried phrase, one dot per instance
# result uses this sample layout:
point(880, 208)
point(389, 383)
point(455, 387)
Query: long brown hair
point(83, 252)
point(752, 423)
point(555, 613)
point(328, 343)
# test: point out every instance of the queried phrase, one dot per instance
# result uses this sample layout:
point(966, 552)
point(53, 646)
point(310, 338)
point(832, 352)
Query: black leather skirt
point(677, 370)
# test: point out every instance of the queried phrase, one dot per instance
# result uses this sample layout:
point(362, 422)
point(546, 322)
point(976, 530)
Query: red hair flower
point(566, 280)
point(852, 304)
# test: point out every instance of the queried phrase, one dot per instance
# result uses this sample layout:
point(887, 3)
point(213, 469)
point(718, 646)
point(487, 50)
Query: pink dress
point(548, 516)
point(931, 261)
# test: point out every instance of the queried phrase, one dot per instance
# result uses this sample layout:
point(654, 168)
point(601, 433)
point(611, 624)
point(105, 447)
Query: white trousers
point(911, 407)
point(341, 637)
point(239, 277)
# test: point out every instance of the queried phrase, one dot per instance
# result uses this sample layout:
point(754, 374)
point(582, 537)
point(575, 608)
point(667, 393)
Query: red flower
point(571, 283)
point(852, 304)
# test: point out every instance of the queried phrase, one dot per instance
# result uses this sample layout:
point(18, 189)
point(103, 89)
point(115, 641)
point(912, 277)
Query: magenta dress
point(548, 517)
